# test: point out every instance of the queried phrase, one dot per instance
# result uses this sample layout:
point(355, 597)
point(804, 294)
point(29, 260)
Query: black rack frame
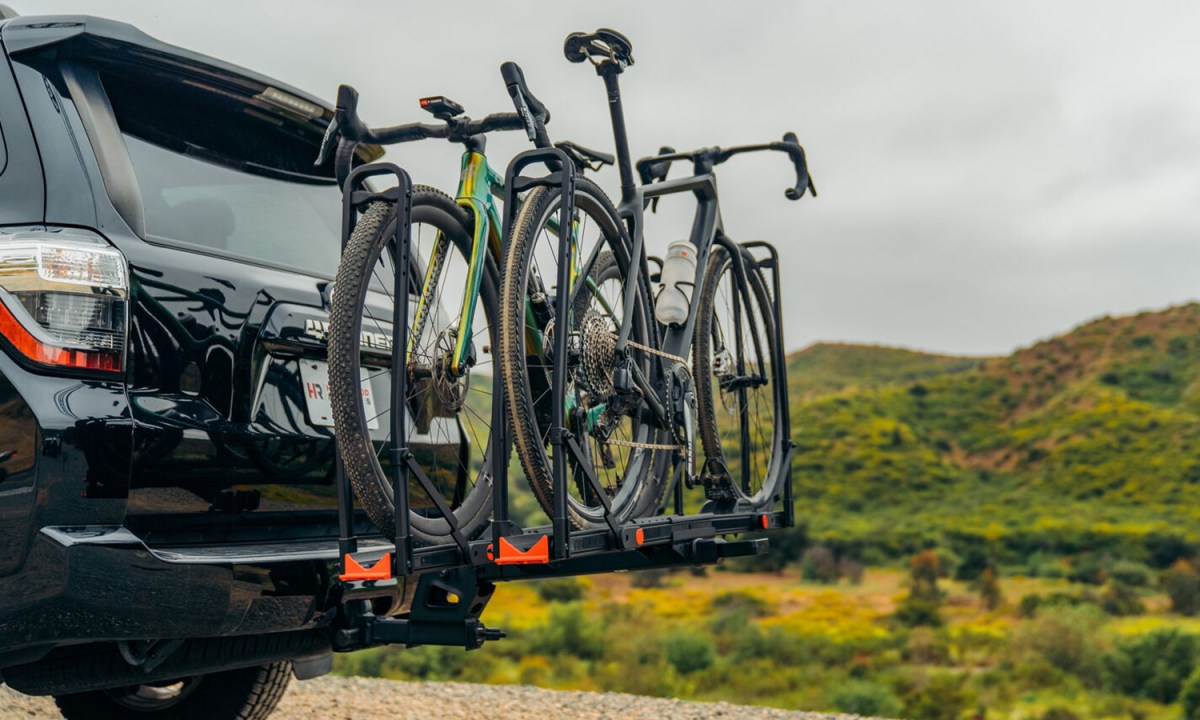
point(454, 581)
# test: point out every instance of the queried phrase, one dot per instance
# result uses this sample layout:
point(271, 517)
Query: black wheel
point(606, 418)
point(736, 382)
point(448, 408)
point(245, 694)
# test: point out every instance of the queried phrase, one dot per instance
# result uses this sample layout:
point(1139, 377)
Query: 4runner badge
point(319, 330)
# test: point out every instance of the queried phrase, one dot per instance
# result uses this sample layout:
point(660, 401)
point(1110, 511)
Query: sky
point(991, 174)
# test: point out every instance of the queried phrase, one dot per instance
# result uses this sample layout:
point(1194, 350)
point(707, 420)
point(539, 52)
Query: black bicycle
point(454, 249)
point(633, 401)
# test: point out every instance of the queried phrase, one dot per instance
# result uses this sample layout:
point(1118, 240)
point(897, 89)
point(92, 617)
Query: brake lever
point(328, 141)
point(654, 174)
point(791, 145)
point(345, 115)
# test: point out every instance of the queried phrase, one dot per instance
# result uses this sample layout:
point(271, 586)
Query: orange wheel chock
point(382, 570)
point(536, 555)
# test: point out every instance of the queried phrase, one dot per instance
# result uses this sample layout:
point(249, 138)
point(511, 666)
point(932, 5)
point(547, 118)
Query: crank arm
point(733, 384)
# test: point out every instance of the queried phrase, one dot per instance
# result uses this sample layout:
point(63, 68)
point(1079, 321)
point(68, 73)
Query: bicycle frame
point(707, 230)
point(476, 186)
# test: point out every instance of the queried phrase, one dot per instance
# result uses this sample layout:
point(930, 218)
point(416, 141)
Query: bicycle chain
point(655, 351)
point(645, 446)
point(598, 345)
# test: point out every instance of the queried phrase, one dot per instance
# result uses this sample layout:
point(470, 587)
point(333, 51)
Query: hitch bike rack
point(454, 581)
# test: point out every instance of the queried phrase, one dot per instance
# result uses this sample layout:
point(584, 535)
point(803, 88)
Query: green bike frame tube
point(477, 182)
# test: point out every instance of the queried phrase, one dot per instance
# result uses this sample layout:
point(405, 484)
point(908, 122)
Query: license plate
point(314, 374)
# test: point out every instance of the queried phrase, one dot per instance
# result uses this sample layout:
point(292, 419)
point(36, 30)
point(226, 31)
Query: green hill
point(830, 367)
point(1090, 440)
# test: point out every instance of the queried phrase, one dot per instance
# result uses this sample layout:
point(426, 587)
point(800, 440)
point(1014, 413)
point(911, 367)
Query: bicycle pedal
point(717, 488)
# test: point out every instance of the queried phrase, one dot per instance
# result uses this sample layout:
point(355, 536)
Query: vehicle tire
point(462, 477)
point(736, 381)
point(526, 338)
point(244, 694)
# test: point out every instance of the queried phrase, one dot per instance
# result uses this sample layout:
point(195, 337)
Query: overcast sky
point(990, 174)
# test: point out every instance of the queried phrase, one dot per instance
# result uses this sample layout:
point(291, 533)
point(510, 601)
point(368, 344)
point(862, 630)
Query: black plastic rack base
point(447, 587)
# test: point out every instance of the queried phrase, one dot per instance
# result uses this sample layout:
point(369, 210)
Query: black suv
point(167, 504)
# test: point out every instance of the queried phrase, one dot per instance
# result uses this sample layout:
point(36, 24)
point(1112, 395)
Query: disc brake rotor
point(451, 390)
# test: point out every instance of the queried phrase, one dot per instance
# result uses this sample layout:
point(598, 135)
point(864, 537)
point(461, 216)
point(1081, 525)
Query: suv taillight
point(63, 299)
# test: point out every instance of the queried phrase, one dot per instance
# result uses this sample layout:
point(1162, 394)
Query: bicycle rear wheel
point(448, 412)
point(736, 384)
point(606, 417)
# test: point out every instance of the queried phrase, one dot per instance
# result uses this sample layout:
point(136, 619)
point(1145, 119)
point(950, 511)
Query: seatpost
point(609, 71)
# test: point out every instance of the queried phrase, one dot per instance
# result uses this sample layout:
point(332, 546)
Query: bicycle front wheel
point(737, 382)
point(448, 408)
point(606, 417)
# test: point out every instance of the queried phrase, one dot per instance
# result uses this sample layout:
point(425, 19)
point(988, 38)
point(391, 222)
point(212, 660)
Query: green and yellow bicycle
point(455, 251)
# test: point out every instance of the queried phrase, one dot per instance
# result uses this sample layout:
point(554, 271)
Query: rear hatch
point(229, 286)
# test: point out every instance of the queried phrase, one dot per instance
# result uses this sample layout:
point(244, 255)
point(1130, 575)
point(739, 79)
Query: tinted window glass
point(190, 200)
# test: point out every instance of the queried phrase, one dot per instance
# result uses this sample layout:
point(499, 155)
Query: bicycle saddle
point(585, 158)
point(604, 44)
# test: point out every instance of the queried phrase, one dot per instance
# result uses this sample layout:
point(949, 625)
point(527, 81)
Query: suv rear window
point(224, 161)
point(196, 202)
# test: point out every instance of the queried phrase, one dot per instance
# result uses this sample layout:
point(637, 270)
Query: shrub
point(1044, 565)
point(568, 631)
point(1166, 549)
point(561, 590)
point(740, 601)
point(787, 545)
point(1059, 713)
point(1064, 637)
point(1121, 600)
point(851, 569)
point(973, 563)
point(1030, 604)
point(914, 612)
point(939, 697)
point(688, 652)
point(732, 610)
point(926, 647)
point(1087, 569)
point(1189, 697)
point(1129, 573)
point(819, 565)
point(1154, 665)
point(649, 579)
point(1182, 585)
point(862, 697)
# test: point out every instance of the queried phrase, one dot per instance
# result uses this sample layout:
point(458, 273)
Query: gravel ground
point(335, 698)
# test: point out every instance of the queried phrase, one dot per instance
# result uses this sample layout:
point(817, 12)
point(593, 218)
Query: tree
point(988, 586)
point(819, 565)
point(1189, 697)
point(922, 606)
point(1182, 585)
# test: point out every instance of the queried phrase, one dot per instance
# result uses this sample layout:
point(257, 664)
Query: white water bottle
point(678, 281)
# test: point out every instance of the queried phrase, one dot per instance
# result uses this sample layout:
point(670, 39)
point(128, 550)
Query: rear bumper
point(94, 584)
